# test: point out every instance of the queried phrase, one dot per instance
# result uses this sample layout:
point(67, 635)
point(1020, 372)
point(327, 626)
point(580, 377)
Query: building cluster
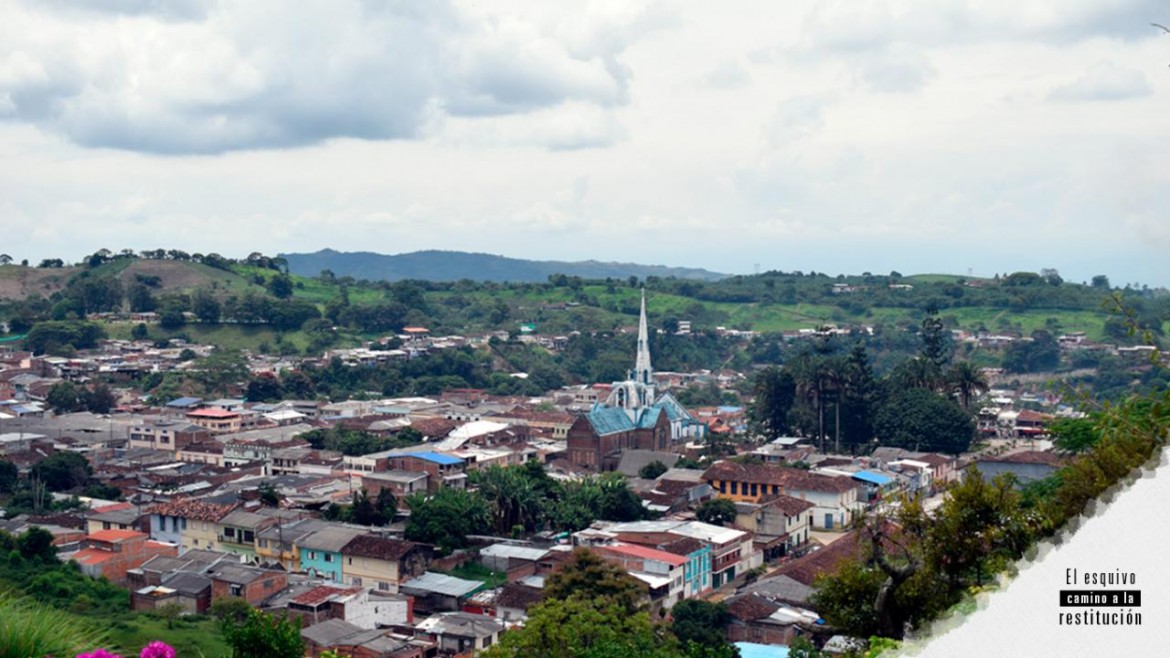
point(225, 498)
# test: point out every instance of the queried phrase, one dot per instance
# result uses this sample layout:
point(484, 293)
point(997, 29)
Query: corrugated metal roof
point(873, 478)
point(609, 420)
point(438, 458)
point(442, 584)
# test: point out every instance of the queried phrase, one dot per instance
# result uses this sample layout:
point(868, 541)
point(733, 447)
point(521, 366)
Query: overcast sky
point(935, 136)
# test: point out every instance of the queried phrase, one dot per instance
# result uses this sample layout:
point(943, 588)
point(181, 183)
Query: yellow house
point(382, 563)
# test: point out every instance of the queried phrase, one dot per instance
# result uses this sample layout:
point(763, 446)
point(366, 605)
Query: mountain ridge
point(445, 265)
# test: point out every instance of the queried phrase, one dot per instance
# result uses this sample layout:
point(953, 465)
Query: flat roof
point(873, 478)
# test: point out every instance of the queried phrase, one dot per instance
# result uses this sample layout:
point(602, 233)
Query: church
point(631, 417)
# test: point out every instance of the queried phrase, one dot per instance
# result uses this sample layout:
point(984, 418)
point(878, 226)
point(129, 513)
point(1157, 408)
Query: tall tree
point(586, 576)
point(965, 381)
point(774, 393)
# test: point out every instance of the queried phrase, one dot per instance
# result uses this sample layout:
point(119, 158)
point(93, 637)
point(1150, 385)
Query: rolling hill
point(455, 265)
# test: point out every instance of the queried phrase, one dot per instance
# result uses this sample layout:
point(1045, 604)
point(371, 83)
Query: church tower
point(643, 373)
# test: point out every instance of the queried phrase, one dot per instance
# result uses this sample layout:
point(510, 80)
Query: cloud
point(227, 77)
point(1105, 81)
point(899, 69)
point(727, 75)
point(863, 25)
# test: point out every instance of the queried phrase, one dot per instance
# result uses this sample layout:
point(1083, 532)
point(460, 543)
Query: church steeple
point(643, 373)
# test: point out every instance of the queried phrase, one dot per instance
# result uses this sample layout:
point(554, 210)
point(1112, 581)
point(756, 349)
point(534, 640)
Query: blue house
point(320, 551)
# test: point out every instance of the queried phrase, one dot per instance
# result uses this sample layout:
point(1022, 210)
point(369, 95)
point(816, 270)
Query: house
point(779, 522)
point(662, 572)
point(1027, 466)
point(382, 563)
point(238, 529)
point(111, 553)
point(190, 591)
point(320, 550)
point(189, 522)
point(515, 561)
point(461, 633)
point(442, 470)
point(215, 420)
point(355, 605)
point(122, 516)
point(836, 498)
point(400, 483)
point(437, 592)
point(514, 600)
point(167, 434)
point(342, 638)
point(278, 544)
point(243, 581)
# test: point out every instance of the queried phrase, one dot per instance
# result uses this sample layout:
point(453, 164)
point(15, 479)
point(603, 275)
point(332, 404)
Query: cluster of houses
point(224, 498)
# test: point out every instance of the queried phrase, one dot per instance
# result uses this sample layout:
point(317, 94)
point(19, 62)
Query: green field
point(190, 636)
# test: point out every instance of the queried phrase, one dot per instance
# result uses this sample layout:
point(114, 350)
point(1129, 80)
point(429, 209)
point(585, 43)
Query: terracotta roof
point(433, 427)
point(1028, 457)
point(380, 548)
point(789, 505)
point(196, 510)
point(805, 569)
point(92, 556)
point(116, 535)
point(319, 595)
point(934, 459)
point(515, 595)
point(643, 552)
point(787, 478)
point(684, 546)
point(750, 607)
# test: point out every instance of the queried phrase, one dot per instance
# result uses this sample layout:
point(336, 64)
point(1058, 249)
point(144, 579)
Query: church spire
point(642, 370)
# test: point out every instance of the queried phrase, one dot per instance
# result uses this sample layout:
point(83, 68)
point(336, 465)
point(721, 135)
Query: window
point(357, 582)
point(312, 555)
point(105, 525)
point(734, 488)
point(236, 590)
point(350, 561)
point(755, 489)
point(328, 557)
point(383, 586)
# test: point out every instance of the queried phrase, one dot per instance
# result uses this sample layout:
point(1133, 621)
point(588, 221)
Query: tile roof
point(319, 595)
point(116, 535)
point(194, 509)
point(788, 478)
point(380, 548)
point(750, 607)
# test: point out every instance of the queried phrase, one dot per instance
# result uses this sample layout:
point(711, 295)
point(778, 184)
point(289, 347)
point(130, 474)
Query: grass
point(475, 571)
point(190, 636)
point(31, 629)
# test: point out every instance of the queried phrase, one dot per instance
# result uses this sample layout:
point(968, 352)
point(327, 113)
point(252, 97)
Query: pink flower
point(100, 653)
point(157, 649)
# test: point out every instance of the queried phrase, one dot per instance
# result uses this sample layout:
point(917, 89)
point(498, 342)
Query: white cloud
point(1105, 81)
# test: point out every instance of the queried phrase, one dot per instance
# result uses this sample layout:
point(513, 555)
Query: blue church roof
point(609, 420)
point(650, 417)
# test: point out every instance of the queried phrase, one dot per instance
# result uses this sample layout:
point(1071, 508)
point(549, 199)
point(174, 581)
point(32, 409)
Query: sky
point(957, 136)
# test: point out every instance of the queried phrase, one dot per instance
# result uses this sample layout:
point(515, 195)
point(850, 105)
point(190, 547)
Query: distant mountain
point(455, 265)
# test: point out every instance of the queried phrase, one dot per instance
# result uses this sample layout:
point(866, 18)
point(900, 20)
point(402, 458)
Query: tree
point(966, 381)
point(265, 387)
point(62, 471)
point(205, 307)
point(701, 622)
point(140, 332)
point(262, 635)
point(774, 394)
point(919, 419)
point(9, 476)
point(281, 286)
point(579, 627)
point(99, 399)
point(64, 397)
point(1101, 282)
point(447, 517)
point(37, 544)
point(718, 511)
point(513, 499)
point(586, 576)
point(1075, 435)
point(223, 369)
point(5, 259)
point(652, 470)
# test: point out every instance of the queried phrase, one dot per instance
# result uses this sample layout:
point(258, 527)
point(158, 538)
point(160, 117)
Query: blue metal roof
point(873, 478)
point(609, 420)
point(650, 417)
point(184, 402)
point(753, 650)
point(437, 457)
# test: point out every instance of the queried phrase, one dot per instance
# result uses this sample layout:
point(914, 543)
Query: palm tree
point(966, 381)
